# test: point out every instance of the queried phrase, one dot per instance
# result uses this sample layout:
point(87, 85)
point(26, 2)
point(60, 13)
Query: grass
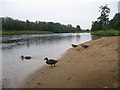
point(23, 32)
point(100, 32)
point(106, 33)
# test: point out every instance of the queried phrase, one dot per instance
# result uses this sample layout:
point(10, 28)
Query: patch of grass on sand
point(106, 33)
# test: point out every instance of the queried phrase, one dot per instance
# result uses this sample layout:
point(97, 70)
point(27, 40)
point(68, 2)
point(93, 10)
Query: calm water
point(40, 46)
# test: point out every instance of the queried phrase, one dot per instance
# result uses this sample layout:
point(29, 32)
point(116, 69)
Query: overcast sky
point(75, 12)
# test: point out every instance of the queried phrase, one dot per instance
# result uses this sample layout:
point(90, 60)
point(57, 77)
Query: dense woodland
point(10, 24)
point(103, 22)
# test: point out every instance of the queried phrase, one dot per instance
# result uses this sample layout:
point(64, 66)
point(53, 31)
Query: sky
point(74, 12)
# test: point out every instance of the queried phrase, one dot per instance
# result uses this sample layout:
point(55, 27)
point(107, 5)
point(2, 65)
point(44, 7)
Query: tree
point(8, 24)
point(115, 22)
point(102, 22)
point(96, 26)
point(103, 19)
point(78, 28)
point(18, 25)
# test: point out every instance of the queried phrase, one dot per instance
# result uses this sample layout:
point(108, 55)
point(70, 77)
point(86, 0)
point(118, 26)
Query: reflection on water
point(12, 42)
point(0, 69)
point(37, 46)
point(0, 63)
point(95, 37)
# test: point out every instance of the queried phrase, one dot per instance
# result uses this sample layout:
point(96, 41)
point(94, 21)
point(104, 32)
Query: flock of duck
point(52, 61)
point(83, 45)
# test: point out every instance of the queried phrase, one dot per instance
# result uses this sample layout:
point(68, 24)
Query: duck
point(85, 45)
point(73, 45)
point(51, 61)
point(25, 57)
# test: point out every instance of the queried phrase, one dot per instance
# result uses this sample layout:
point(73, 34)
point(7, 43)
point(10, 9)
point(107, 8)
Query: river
point(38, 46)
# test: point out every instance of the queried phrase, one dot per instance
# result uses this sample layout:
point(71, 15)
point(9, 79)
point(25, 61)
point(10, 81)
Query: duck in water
point(25, 57)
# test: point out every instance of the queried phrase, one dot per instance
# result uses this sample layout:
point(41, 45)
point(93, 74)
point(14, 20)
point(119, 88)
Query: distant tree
point(96, 26)
point(27, 25)
point(78, 28)
point(8, 24)
point(18, 25)
point(87, 30)
point(103, 19)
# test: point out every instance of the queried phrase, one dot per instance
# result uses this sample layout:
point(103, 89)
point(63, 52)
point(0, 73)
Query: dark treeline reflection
point(17, 41)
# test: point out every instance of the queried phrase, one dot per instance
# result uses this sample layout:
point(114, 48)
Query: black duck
point(73, 45)
point(51, 61)
point(25, 57)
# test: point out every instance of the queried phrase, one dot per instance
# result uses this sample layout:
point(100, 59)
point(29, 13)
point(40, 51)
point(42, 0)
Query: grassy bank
point(106, 33)
point(23, 32)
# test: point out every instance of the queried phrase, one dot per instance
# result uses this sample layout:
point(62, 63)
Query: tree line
point(11, 24)
point(103, 22)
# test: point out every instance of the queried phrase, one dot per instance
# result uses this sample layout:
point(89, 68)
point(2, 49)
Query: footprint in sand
point(69, 78)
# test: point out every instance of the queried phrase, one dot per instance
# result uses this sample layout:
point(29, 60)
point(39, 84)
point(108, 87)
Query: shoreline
point(23, 32)
point(99, 32)
point(93, 67)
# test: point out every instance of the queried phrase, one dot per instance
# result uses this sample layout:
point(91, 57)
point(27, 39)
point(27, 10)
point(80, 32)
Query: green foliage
point(9, 24)
point(96, 26)
point(78, 28)
point(115, 22)
point(103, 20)
point(106, 33)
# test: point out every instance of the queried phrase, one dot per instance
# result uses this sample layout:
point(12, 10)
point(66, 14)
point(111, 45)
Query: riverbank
point(94, 67)
point(31, 32)
point(23, 32)
point(106, 33)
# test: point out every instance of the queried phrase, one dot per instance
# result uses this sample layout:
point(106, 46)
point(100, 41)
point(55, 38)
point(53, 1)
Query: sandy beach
point(93, 67)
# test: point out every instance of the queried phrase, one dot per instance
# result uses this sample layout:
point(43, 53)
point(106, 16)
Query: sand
point(93, 67)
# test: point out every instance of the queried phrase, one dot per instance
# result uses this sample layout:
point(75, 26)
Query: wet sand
point(93, 67)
